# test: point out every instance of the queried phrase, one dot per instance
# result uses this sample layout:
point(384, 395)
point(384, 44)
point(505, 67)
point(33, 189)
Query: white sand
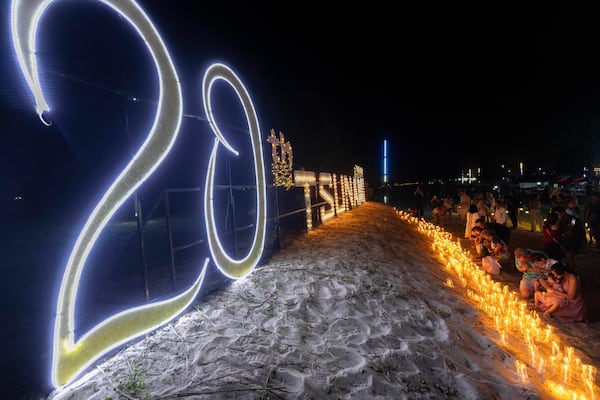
point(356, 309)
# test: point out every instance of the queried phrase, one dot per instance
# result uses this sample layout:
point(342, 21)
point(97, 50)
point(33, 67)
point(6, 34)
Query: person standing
point(512, 206)
point(592, 217)
point(552, 235)
point(471, 217)
point(419, 202)
point(535, 212)
point(435, 202)
point(500, 212)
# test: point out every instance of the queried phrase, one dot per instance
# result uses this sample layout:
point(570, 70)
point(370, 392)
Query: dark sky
point(451, 89)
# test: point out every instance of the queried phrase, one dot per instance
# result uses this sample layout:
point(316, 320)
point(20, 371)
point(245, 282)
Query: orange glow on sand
point(556, 364)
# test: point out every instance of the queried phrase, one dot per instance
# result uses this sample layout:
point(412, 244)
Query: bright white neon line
point(229, 266)
point(69, 357)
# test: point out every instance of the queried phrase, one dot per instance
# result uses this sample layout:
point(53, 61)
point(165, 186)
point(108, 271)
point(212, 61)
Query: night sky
point(451, 89)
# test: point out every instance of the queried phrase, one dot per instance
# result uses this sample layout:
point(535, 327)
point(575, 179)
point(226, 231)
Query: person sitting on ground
point(501, 230)
point(568, 305)
point(543, 298)
point(476, 239)
point(486, 242)
point(532, 271)
point(489, 263)
point(501, 253)
point(542, 263)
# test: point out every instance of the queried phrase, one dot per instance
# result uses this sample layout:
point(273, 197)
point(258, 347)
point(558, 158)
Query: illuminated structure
point(230, 267)
point(351, 189)
point(385, 178)
point(359, 180)
point(306, 179)
point(521, 168)
point(71, 355)
point(281, 167)
point(324, 181)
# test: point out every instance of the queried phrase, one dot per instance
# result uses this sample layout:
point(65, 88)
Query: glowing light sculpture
point(359, 177)
point(306, 179)
point(69, 357)
point(325, 180)
point(335, 193)
point(341, 205)
point(229, 266)
point(281, 167)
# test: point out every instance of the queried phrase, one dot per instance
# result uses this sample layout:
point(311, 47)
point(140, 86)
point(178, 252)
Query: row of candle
point(564, 373)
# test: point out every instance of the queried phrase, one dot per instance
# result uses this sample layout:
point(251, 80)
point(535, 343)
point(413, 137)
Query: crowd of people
point(549, 280)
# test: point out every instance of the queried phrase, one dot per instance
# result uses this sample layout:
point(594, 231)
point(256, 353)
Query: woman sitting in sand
point(565, 302)
point(492, 252)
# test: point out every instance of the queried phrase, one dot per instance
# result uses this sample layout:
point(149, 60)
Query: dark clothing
point(501, 230)
point(552, 246)
point(574, 237)
point(593, 220)
point(512, 206)
point(419, 203)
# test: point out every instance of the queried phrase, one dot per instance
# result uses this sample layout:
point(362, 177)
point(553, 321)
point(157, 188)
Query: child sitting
point(543, 298)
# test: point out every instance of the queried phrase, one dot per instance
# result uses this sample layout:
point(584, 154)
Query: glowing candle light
point(555, 349)
point(549, 332)
point(588, 372)
point(533, 353)
point(521, 370)
point(566, 369)
point(541, 366)
point(511, 316)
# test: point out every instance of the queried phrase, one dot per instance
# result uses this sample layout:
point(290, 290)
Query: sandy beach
point(360, 308)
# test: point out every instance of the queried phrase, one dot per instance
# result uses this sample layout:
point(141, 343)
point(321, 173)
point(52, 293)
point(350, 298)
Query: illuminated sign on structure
point(70, 356)
point(281, 167)
point(326, 180)
point(352, 191)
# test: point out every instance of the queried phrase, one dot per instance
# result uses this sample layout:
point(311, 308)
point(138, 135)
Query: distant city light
point(385, 162)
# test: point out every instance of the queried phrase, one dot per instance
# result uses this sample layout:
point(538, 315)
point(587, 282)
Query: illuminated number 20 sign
point(71, 357)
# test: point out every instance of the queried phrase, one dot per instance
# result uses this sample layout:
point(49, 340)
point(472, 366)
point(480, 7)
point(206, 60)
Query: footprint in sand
point(343, 360)
point(348, 331)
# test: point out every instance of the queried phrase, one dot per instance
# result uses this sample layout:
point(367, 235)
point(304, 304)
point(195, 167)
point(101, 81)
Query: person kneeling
point(566, 300)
